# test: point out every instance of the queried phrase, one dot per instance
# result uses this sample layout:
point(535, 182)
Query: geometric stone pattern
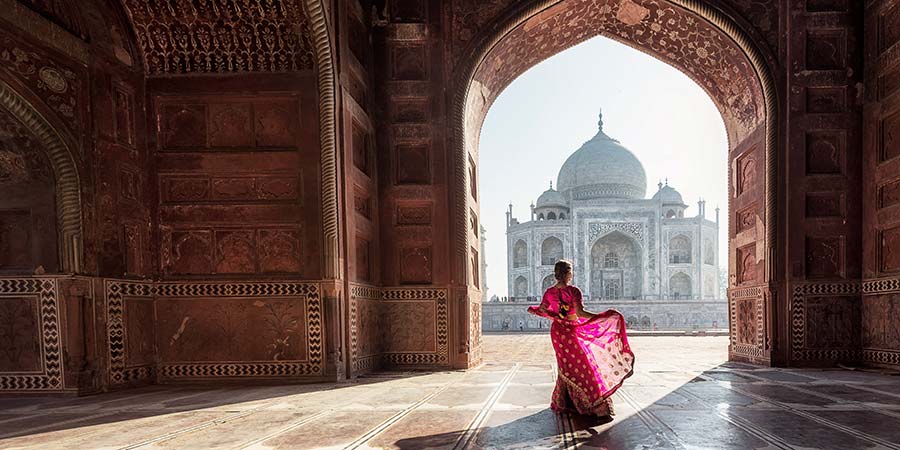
point(840, 301)
point(365, 328)
point(417, 299)
point(880, 331)
point(116, 293)
point(311, 365)
point(45, 294)
point(204, 36)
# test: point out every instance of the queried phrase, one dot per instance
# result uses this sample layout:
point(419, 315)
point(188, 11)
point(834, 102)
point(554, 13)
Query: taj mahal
point(647, 256)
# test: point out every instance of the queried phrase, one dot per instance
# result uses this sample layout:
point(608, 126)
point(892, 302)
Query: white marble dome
point(551, 197)
point(602, 168)
point(668, 195)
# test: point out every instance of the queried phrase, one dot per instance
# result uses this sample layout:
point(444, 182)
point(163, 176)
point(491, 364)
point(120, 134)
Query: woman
point(592, 350)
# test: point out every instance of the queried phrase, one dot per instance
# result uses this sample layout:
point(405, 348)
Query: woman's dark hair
point(562, 269)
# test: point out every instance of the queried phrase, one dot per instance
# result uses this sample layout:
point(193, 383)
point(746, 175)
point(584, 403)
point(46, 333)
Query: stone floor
point(682, 396)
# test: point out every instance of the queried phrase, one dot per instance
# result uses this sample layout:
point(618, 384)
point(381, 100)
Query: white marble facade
point(624, 246)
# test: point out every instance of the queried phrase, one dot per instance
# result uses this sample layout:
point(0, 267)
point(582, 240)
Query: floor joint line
point(473, 427)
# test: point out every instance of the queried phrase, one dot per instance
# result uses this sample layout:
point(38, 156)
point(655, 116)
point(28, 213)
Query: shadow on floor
point(27, 415)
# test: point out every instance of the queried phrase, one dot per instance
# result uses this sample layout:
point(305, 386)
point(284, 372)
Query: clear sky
point(653, 109)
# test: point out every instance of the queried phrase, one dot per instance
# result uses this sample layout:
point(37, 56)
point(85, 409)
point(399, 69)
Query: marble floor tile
point(683, 395)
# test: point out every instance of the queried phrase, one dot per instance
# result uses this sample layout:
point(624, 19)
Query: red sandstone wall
point(237, 178)
point(881, 187)
point(414, 171)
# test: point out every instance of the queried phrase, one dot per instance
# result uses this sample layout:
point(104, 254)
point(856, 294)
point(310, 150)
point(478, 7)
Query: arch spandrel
point(65, 173)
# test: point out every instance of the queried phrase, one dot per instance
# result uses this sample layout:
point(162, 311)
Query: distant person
point(592, 351)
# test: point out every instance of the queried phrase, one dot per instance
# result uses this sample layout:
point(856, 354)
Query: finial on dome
point(600, 120)
point(667, 181)
point(551, 185)
point(659, 186)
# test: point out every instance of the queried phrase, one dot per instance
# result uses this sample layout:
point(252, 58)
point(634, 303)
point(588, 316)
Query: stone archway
point(616, 265)
point(701, 41)
point(65, 174)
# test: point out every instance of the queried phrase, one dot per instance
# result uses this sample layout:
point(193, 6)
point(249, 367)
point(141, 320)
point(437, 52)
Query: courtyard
point(684, 395)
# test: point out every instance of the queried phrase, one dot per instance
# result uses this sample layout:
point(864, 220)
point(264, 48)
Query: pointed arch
point(65, 172)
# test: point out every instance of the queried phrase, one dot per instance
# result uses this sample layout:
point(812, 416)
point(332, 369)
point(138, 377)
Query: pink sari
point(593, 355)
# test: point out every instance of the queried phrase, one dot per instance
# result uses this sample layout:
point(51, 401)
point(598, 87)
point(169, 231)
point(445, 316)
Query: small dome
point(602, 168)
point(668, 195)
point(551, 197)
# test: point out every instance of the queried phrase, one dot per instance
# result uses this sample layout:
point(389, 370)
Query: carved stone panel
point(191, 252)
point(123, 99)
point(746, 321)
point(825, 152)
point(746, 264)
point(826, 49)
point(825, 204)
point(746, 171)
point(200, 329)
point(178, 189)
point(409, 326)
point(890, 250)
point(410, 110)
point(832, 322)
point(409, 62)
point(414, 213)
point(230, 125)
point(129, 184)
point(889, 193)
point(881, 330)
point(888, 28)
point(263, 187)
point(888, 82)
point(360, 145)
point(133, 248)
point(20, 340)
point(415, 265)
point(745, 219)
point(183, 126)
point(413, 164)
point(825, 257)
point(475, 267)
point(362, 204)
point(276, 124)
point(826, 99)
point(235, 252)
point(140, 348)
point(889, 137)
point(279, 251)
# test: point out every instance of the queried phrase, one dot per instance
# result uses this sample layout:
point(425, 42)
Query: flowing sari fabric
point(593, 355)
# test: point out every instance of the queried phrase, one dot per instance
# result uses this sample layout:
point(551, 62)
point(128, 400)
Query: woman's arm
point(582, 313)
point(579, 307)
